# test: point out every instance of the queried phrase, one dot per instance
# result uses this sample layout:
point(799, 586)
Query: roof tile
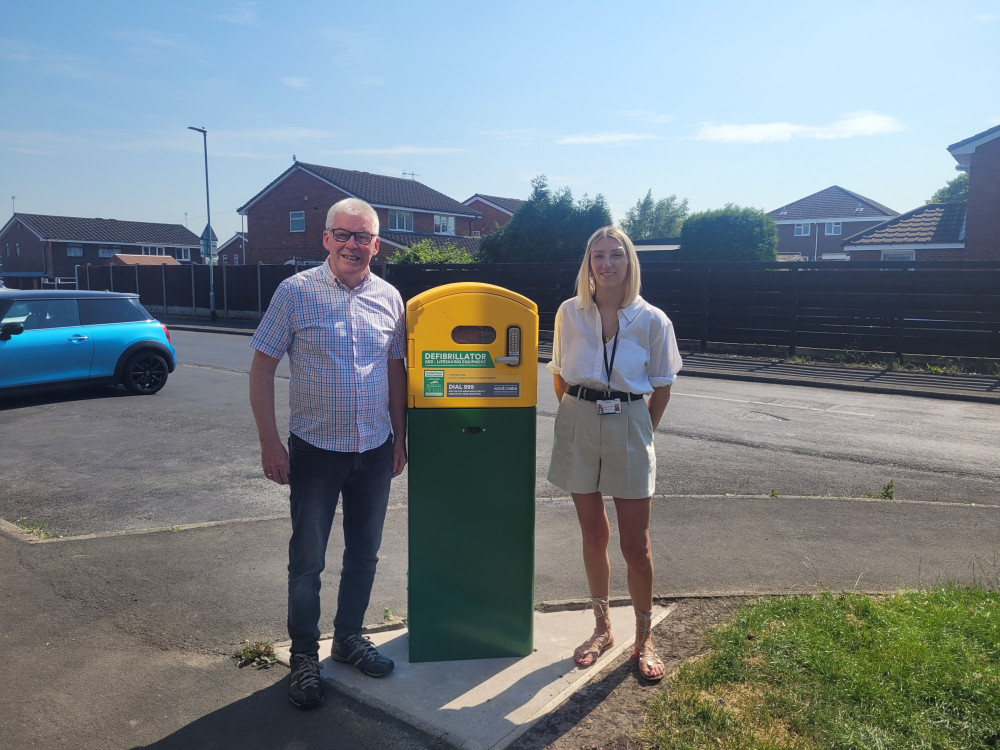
point(111, 231)
point(381, 190)
point(833, 203)
point(934, 223)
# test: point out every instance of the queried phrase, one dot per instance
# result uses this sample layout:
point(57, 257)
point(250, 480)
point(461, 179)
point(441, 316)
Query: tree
point(730, 233)
point(426, 251)
point(649, 219)
point(548, 227)
point(956, 191)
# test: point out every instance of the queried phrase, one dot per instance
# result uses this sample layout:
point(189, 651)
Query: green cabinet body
point(471, 532)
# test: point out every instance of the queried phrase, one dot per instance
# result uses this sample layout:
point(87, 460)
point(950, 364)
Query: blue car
point(61, 338)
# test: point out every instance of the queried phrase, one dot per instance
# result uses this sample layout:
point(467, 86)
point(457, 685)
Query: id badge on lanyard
point(609, 405)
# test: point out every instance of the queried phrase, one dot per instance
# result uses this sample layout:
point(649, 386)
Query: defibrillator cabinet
point(472, 387)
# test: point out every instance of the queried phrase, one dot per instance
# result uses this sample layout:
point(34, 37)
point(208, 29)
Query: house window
point(832, 227)
point(401, 221)
point(899, 255)
point(296, 221)
point(801, 230)
point(475, 232)
point(183, 253)
point(107, 252)
point(153, 251)
point(6, 247)
point(225, 259)
point(236, 259)
point(74, 251)
point(17, 249)
point(444, 224)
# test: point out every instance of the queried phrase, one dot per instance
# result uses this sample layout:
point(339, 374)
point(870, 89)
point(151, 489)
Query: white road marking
point(779, 404)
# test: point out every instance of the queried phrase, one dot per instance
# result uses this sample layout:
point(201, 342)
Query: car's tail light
point(165, 332)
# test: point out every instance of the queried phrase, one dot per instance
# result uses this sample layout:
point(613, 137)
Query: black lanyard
point(609, 365)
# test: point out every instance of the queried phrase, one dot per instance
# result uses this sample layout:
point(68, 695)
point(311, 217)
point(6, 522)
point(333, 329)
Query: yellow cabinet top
point(471, 345)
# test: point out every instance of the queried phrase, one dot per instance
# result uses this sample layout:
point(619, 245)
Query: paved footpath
point(123, 641)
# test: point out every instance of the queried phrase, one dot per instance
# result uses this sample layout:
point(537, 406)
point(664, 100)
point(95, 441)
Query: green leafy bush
point(732, 233)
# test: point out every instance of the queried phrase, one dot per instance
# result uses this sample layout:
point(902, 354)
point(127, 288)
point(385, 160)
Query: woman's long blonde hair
point(585, 279)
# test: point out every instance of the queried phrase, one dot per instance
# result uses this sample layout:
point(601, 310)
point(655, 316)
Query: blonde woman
point(614, 358)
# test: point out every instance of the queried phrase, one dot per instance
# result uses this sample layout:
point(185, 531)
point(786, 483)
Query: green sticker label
point(434, 383)
point(457, 359)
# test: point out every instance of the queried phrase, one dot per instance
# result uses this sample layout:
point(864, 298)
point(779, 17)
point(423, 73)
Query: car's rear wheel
point(145, 373)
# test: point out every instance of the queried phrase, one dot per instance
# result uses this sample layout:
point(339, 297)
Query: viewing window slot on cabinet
point(473, 334)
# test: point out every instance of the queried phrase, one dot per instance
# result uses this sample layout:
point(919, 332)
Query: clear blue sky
point(757, 104)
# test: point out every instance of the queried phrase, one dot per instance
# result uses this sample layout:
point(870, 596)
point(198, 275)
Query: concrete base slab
point(482, 704)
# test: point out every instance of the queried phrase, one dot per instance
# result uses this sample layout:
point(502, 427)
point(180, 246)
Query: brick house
point(814, 227)
point(935, 231)
point(946, 231)
point(287, 217)
point(233, 252)
point(39, 249)
point(494, 212)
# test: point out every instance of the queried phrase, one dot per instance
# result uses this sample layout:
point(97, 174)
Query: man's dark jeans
point(318, 479)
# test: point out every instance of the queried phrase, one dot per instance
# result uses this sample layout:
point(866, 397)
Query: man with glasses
point(344, 333)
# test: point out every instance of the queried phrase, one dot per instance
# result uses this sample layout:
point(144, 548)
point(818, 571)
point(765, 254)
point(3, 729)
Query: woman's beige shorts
point(612, 454)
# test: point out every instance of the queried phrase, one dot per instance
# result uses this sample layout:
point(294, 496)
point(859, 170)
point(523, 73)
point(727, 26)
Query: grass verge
point(918, 669)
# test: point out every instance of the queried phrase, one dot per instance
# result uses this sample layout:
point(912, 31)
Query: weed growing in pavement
point(888, 491)
point(917, 669)
point(890, 363)
point(35, 529)
point(259, 654)
point(388, 617)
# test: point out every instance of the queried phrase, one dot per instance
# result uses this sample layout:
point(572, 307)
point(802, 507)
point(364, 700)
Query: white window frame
point(401, 221)
point(444, 224)
point(107, 252)
point(475, 232)
point(803, 229)
point(832, 228)
point(296, 219)
point(74, 251)
point(183, 253)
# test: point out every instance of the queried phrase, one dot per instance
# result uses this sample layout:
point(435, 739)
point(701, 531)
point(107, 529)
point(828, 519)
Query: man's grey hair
point(353, 207)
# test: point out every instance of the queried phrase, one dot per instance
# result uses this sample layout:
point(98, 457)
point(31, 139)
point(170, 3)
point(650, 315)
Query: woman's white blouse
point(647, 355)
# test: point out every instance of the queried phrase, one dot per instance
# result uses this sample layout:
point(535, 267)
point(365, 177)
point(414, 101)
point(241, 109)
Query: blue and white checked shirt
point(339, 342)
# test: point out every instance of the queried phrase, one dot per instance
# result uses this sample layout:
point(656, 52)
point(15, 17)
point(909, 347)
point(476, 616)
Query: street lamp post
point(208, 229)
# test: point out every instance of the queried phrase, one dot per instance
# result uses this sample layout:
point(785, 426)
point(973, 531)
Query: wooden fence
point(900, 307)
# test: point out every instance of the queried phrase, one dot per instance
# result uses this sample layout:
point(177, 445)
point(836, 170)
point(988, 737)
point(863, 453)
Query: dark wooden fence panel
point(904, 307)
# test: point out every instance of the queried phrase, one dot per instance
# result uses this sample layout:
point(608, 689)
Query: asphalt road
point(100, 461)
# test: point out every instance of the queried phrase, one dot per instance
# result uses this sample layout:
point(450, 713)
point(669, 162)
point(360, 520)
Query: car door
point(53, 346)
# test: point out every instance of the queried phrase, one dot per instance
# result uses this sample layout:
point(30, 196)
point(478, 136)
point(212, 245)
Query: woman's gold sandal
point(588, 652)
point(646, 656)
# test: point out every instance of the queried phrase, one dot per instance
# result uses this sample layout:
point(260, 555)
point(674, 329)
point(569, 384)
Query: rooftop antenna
point(410, 174)
point(12, 203)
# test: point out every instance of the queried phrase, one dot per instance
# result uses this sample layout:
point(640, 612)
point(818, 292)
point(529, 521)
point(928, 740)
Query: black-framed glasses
point(342, 235)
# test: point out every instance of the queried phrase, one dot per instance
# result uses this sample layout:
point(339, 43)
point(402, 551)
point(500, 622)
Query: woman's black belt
point(589, 394)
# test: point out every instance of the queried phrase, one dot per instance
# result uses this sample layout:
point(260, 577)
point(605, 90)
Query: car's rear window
point(115, 310)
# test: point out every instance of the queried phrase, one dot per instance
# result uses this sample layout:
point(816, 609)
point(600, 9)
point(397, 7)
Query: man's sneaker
point(306, 688)
point(359, 651)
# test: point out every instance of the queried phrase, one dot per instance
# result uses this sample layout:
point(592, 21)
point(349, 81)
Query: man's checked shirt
point(339, 342)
